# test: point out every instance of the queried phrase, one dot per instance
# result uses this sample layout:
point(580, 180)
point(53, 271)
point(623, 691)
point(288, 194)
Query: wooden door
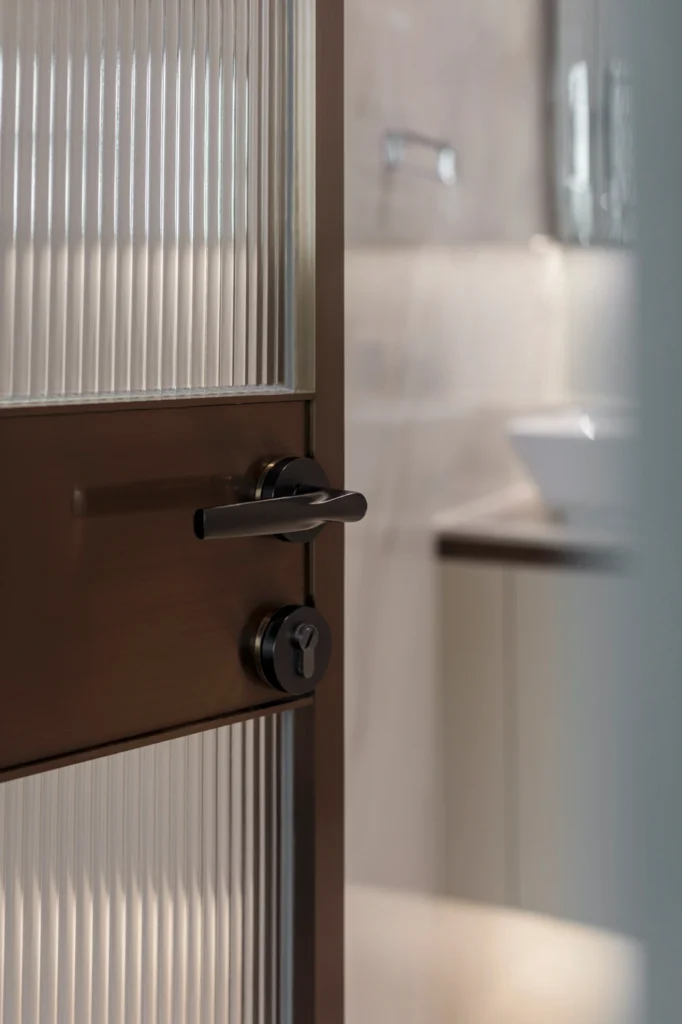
point(171, 227)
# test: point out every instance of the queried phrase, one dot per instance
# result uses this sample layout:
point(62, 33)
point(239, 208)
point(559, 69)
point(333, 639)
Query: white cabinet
point(474, 739)
point(535, 762)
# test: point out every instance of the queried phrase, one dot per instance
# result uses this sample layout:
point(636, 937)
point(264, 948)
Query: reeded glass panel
point(151, 156)
point(151, 887)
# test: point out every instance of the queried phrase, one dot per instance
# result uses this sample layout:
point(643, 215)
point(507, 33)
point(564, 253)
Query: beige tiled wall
point(451, 325)
point(463, 324)
point(470, 72)
point(457, 316)
point(445, 344)
point(600, 323)
point(442, 346)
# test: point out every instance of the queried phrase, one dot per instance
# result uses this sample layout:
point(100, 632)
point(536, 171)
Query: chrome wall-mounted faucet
point(420, 155)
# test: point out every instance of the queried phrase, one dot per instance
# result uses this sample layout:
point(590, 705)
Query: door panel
point(122, 275)
point(120, 622)
point(151, 886)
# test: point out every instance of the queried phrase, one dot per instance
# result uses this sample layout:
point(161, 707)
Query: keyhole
point(306, 639)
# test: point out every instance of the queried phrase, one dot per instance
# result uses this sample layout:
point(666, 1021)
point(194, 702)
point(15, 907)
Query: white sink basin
point(580, 460)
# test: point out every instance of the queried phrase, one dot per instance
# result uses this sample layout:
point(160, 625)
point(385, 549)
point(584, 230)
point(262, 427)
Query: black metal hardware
point(292, 501)
point(292, 649)
point(306, 640)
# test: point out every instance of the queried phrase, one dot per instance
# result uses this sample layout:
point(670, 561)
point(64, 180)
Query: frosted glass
point(148, 171)
point(150, 887)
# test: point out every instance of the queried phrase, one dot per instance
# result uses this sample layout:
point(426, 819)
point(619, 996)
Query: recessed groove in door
point(156, 195)
point(151, 886)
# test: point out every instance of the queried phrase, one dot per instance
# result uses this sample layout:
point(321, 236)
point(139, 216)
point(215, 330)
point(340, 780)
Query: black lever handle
point(277, 516)
point(292, 501)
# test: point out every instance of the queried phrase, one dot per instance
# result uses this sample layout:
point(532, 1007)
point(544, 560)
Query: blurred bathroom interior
point(490, 286)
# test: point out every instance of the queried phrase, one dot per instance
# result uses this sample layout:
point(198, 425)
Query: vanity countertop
point(518, 528)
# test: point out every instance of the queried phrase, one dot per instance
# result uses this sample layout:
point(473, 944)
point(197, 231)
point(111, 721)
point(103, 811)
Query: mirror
point(592, 93)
